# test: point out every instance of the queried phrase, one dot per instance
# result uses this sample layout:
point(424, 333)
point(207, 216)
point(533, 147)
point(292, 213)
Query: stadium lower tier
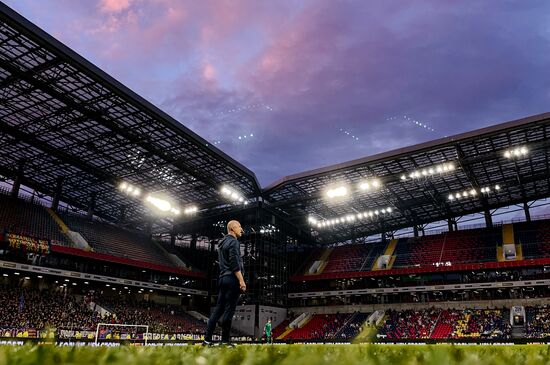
point(30, 312)
point(424, 324)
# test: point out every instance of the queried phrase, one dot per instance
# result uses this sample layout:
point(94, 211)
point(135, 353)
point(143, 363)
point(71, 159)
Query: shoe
point(227, 344)
point(207, 343)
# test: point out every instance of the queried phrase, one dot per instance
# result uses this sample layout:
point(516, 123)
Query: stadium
point(111, 211)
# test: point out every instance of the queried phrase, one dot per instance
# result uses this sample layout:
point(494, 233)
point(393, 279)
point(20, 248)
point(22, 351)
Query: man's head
point(234, 228)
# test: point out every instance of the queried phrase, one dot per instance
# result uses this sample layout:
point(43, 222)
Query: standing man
point(230, 283)
point(267, 330)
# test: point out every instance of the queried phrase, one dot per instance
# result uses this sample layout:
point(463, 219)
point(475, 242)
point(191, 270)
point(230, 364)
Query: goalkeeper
point(267, 330)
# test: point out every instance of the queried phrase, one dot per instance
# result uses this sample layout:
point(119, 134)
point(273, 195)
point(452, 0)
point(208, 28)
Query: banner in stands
point(62, 334)
point(28, 244)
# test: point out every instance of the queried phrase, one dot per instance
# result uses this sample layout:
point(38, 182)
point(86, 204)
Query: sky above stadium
point(288, 86)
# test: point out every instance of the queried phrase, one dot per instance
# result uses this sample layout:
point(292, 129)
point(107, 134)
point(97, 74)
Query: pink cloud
point(208, 72)
point(114, 6)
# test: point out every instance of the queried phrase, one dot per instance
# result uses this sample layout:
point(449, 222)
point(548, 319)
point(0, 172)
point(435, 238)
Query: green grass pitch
point(279, 354)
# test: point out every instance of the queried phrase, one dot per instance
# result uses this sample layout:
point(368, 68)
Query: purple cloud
point(294, 73)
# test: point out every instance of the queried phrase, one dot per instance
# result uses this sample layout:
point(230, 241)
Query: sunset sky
point(313, 83)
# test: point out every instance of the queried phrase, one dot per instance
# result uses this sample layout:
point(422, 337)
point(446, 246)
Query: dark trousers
point(228, 296)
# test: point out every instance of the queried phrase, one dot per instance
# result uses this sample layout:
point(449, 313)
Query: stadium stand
point(115, 241)
point(346, 258)
point(30, 308)
point(534, 238)
point(479, 323)
point(460, 247)
point(352, 327)
point(25, 218)
point(538, 322)
point(376, 249)
point(319, 327)
point(410, 324)
point(281, 327)
point(108, 241)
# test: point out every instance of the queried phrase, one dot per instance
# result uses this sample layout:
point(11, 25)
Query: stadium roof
point(66, 118)
point(510, 159)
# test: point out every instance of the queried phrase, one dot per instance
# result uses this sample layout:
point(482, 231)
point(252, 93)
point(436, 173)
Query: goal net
point(131, 333)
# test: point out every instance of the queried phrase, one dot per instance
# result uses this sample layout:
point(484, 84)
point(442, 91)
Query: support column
point(57, 193)
point(173, 236)
point(527, 212)
point(91, 205)
point(415, 230)
point(193, 243)
point(18, 179)
point(450, 224)
point(488, 218)
point(383, 236)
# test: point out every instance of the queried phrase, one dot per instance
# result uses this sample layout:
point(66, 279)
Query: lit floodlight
point(160, 204)
point(123, 186)
point(364, 186)
point(516, 152)
point(429, 171)
point(232, 194)
point(337, 192)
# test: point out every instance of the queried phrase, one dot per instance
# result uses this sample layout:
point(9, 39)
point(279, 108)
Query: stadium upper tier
point(106, 242)
point(517, 244)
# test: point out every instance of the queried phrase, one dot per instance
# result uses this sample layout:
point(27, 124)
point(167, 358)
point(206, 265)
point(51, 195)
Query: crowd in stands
point(538, 322)
point(23, 308)
point(159, 318)
point(482, 323)
point(31, 308)
point(410, 324)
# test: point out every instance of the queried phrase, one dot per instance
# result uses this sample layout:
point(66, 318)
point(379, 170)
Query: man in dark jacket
point(230, 283)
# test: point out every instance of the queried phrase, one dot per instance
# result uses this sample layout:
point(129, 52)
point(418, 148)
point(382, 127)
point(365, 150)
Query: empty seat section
point(352, 327)
point(534, 238)
point(471, 246)
point(112, 240)
point(320, 327)
point(21, 217)
point(346, 258)
point(375, 250)
point(425, 251)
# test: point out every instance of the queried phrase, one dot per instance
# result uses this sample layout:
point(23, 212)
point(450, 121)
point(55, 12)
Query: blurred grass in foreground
point(279, 354)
